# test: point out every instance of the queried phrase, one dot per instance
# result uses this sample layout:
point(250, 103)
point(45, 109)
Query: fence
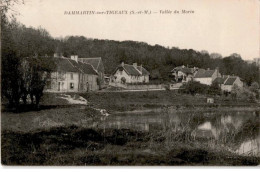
point(145, 87)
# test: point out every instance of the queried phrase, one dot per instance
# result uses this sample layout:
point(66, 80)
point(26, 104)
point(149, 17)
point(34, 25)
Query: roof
point(202, 73)
point(144, 71)
point(226, 80)
point(63, 64)
point(184, 69)
point(220, 80)
point(87, 68)
point(94, 61)
point(230, 81)
point(69, 65)
point(131, 70)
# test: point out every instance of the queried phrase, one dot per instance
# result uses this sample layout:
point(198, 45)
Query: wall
point(121, 75)
point(207, 81)
point(74, 81)
point(88, 82)
point(144, 87)
point(64, 78)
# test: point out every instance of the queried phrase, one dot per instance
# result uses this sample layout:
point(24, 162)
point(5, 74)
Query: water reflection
point(237, 131)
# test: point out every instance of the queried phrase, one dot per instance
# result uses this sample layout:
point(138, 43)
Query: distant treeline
point(20, 41)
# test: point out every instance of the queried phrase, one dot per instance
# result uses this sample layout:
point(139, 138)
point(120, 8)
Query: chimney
point(217, 71)
point(135, 65)
point(122, 63)
point(141, 69)
point(74, 57)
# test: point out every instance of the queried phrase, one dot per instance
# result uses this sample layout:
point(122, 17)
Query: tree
point(194, 87)
point(214, 89)
point(215, 56)
point(255, 89)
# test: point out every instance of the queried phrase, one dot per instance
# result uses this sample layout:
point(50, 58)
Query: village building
point(126, 73)
point(183, 73)
point(257, 61)
point(206, 76)
point(227, 82)
point(70, 75)
point(98, 65)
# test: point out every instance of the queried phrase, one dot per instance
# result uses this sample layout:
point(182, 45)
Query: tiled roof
point(63, 64)
point(87, 68)
point(220, 80)
point(230, 81)
point(144, 71)
point(131, 70)
point(94, 61)
point(202, 73)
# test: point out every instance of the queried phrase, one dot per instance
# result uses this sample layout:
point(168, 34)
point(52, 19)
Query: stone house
point(70, 75)
point(98, 65)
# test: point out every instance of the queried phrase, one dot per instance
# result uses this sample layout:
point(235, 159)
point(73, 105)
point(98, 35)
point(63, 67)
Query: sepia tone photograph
point(130, 83)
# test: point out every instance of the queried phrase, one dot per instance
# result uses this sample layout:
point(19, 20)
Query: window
point(71, 76)
point(71, 86)
point(48, 84)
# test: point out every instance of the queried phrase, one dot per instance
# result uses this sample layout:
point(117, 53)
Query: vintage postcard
point(130, 83)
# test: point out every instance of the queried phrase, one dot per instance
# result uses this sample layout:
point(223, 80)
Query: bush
point(194, 87)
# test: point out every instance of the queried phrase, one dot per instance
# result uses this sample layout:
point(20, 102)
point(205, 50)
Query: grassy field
point(125, 101)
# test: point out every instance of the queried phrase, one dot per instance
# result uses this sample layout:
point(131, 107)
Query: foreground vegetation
point(74, 145)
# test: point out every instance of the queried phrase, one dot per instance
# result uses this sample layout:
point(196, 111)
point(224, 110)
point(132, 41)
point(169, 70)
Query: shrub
point(194, 87)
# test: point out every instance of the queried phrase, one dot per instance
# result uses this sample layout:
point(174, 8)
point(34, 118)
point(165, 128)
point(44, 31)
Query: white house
point(227, 82)
point(183, 73)
point(126, 73)
point(206, 76)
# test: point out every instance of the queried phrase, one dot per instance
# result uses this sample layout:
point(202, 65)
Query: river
point(235, 131)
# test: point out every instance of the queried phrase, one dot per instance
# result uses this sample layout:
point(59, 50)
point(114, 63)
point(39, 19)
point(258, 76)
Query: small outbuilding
point(210, 100)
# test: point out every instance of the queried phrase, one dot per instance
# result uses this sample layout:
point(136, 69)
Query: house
point(227, 82)
point(257, 61)
point(206, 76)
point(71, 75)
point(97, 63)
point(183, 73)
point(126, 73)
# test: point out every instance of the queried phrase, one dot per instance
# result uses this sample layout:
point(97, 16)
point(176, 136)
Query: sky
point(219, 26)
